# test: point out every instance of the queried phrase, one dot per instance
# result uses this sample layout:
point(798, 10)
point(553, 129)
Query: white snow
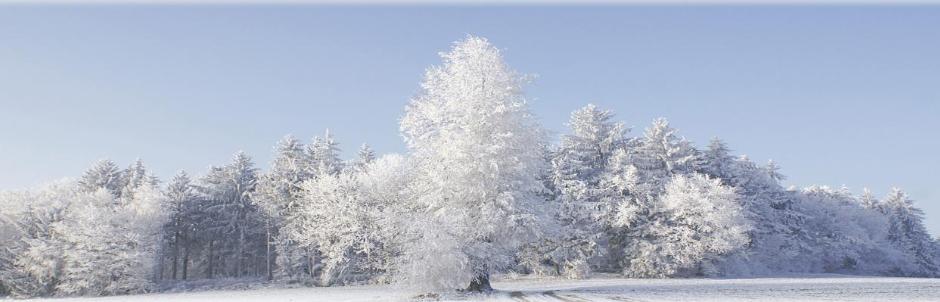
point(816, 288)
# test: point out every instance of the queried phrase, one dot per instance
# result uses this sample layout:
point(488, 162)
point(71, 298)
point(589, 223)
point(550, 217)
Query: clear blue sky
point(837, 95)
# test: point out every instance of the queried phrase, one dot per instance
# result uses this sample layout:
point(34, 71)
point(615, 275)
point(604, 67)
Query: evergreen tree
point(577, 168)
point(906, 230)
point(277, 196)
point(103, 174)
point(660, 154)
point(233, 226)
point(364, 157)
point(324, 155)
point(718, 161)
point(182, 201)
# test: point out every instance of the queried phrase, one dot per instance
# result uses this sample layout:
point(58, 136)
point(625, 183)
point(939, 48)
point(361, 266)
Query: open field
point(823, 288)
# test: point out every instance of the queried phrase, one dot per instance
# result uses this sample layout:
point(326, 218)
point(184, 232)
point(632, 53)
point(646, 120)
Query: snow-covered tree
point(276, 195)
point(478, 155)
point(232, 226)
point(111, 246)
point(364, 157)
point(338, 222)
point(135, 177)
point(385, 183)
point(840, 235)
point(31, 258)
point(660, 154)
point(576, 170)
point(103, 174)
point(182, 201)
point(907, 232)
point(324, 155)
point(695, 221)
point(717, 160)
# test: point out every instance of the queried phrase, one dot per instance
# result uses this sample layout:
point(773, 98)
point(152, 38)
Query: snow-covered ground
point(821, 288)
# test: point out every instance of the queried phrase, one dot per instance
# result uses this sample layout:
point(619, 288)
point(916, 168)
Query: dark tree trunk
point(176, 253)
point(185, 262)
point(267, 253)
point(209, 269)
point(480, 284)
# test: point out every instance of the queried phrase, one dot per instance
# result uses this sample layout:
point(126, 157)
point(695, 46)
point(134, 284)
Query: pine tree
point(364, 157)
point(233, 227)
point(134, 177)
point(577, 168)
point(277, 196)
point(718, 161)
point(103, 174)
point(906, 230)
point(324, 155)
point(182, 202)
point(478, 153)
point(660, 154)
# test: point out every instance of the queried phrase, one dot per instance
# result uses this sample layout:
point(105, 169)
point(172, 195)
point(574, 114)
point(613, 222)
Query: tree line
point(480, 191)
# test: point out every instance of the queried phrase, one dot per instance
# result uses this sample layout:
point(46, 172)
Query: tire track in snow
point(565, 298)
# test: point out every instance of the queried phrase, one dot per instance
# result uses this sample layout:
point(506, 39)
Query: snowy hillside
point(828, 288)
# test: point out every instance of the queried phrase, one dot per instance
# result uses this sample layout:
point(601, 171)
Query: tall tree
point(364, 157)
point(103, 174)
point(660, 154)
point(906, 230)
point(478, 151)
point(135, 177)
point(234, 231)
point(324, 155)
point(182, 200)
point(577, 167)
point(277, 196)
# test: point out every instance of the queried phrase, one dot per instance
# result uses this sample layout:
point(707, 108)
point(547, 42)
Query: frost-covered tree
point(840, 235)
point(103, 174)
point(182, 201)
point(660, 154)
point(364, 157)
point(695, 222)
point(324, 155)
point(907, 232)
point(385, 183)
point(478, 156)
point(718, 161)
point(111, 246)
point(576, 170)
point(31, 261)
point(135, 177)
point(869, 201)
point(338, 222)
point(276, 195)
point(634, 179)
point(232, 226)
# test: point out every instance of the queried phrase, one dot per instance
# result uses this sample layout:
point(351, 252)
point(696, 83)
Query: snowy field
point(827, 288)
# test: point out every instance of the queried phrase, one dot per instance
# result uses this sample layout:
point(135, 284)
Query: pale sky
point(837, 95)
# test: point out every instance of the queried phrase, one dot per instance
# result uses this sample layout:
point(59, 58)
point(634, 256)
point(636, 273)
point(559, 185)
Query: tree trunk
point(239, 252)
point(480, 283)
point(185, 262)
point(176, 252)
point(209, 270)
point(267, 255)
